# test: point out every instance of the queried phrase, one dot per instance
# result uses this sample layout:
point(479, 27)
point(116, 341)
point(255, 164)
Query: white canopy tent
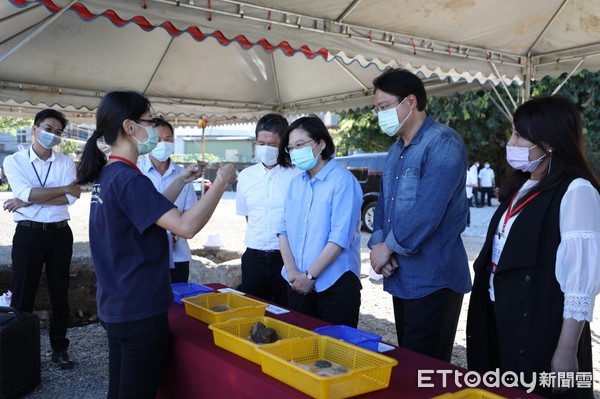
point(236, 60)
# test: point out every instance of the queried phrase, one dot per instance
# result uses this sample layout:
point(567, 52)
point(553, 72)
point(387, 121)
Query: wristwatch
point(309, 276)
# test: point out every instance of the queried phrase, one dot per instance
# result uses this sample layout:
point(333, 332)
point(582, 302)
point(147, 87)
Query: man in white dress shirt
point(43, 186)
point(487, 183)
point(474, 170)
point(161, 171)
point(261, 194)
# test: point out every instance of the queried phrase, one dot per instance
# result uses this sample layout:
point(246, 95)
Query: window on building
point(21, 136)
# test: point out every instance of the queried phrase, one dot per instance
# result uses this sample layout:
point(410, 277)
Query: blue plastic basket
point(351, 335)
point(183, 290)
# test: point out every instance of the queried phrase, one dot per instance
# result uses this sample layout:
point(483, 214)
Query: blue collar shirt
point(324, 209)
point(422, 212)
point(180, 249)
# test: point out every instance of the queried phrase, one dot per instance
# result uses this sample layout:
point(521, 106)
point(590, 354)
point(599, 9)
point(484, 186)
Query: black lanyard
point(36, 172)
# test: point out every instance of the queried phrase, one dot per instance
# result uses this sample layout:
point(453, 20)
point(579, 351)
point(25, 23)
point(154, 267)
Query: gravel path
point(89, 378)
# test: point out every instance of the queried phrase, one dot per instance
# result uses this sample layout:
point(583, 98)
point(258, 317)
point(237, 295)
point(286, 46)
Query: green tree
point(358, 130)
point(187, 158)
point(68, 146)
point(583, 89)
point(11, 125)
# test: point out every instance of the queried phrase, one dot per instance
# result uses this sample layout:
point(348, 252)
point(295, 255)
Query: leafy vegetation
point(68, 146)
point(187, 158)
point(11, 125)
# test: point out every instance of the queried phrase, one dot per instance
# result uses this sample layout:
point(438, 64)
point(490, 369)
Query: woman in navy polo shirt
point(129, 244)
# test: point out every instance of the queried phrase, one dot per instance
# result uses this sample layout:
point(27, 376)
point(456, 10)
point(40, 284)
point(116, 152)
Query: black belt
point(267, 252)
point(43, 226)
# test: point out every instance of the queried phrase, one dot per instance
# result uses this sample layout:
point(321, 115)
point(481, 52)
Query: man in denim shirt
point(416, 242)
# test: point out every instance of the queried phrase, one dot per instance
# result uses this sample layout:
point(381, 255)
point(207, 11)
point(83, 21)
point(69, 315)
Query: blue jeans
point(137, 355)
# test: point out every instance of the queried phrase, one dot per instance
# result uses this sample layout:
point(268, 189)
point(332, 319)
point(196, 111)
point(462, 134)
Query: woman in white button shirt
point(537, 275)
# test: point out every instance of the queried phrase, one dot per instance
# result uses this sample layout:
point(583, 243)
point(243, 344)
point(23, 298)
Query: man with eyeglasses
point(416, 243)
point(161, 171)
point(42, 181)
point(261, 191)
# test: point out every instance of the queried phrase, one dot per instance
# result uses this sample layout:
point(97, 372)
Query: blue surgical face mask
point(388, 120)
point(48, 140)
point(148, 145)
point(303, 158)
point(163, 151)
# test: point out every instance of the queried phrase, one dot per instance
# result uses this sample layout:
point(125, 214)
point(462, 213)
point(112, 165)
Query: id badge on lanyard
point(497, 247)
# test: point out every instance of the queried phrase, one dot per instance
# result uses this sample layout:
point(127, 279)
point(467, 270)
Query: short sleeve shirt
point(129, 251)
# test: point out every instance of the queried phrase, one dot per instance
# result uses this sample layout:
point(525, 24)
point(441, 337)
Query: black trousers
point(261, 275)
point(486, 191)
point(34, 248)
point(428, 325)
point(338, 304)
point(137, 356)
point(181, 272)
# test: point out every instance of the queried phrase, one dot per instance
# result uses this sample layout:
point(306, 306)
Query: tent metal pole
point(164, 54)
point(543, 32)
point(373, 35)
point(18, 13)
point(507, 111)
point(527, 78)
point(37, 31)
point(279, 104)
point(347, 11)
point(568, 76)
point(503, 84)
point(501, 109)
point(365, 88)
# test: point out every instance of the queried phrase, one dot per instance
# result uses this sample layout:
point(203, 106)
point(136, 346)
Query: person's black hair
point(316, 130)
point(402, 83)
point(114, 108)
point(553, 123)
point(158, 121)
point(50, 113)
point(273, 123)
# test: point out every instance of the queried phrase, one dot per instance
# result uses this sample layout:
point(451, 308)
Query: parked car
point(368, 169)
point(198, 185)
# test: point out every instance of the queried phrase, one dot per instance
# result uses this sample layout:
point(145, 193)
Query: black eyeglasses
point(376, 110)
point(50, 129)
point(291, 148)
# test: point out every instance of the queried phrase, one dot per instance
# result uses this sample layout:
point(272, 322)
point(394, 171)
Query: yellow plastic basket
point(234, 334)
point(369, 371)
point(470, 393)
point(200, 306)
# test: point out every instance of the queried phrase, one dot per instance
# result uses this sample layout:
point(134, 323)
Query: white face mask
point(388, 120)
point(518, 158)
point(163, 151)
point(267, 154)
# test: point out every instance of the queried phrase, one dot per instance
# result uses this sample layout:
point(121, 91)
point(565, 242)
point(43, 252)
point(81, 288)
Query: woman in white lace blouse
point(538, 273)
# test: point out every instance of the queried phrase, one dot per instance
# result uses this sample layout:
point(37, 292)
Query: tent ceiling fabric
point(236, 60)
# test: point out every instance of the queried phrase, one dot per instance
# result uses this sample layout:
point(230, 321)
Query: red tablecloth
point(197, 368)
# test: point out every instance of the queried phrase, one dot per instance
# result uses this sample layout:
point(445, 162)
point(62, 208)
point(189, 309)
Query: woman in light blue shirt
point(320, 230)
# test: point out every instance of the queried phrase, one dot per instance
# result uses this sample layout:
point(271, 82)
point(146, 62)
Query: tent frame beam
point(40, 28)
point(295, 21)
